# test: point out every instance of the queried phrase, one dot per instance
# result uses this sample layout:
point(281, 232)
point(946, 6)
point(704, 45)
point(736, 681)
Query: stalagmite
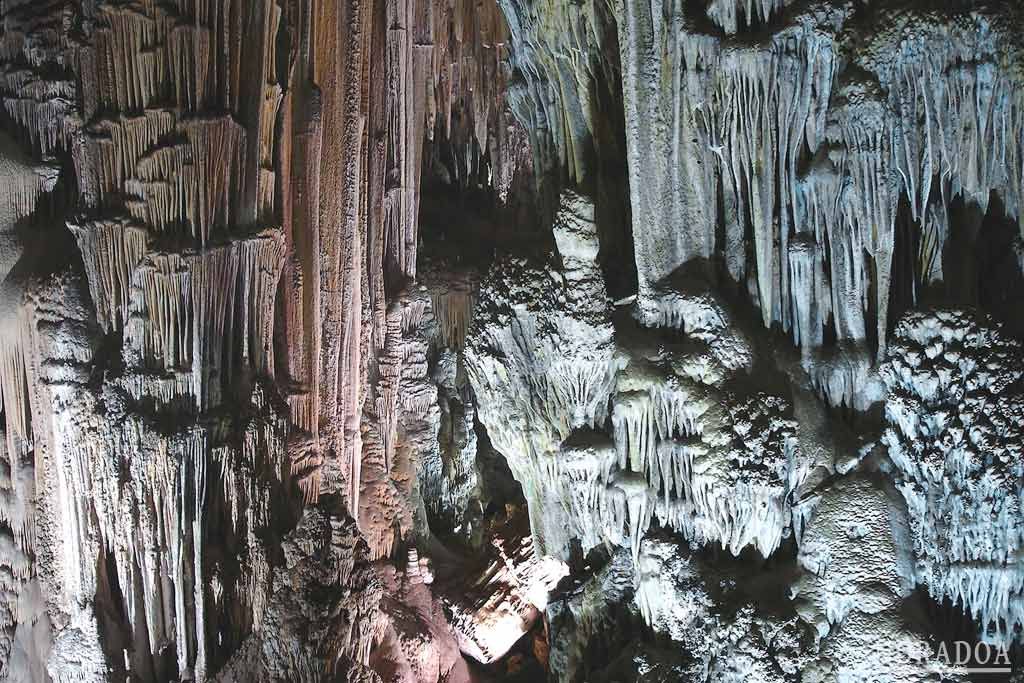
point(554, 384)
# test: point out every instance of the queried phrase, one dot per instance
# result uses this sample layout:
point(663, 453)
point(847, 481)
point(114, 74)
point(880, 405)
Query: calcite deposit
point(451, 341)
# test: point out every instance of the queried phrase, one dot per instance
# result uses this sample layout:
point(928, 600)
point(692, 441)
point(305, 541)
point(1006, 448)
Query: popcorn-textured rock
point(956, 432)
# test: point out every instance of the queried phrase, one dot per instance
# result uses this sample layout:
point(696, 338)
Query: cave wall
point(219, 355)
point(369, 340)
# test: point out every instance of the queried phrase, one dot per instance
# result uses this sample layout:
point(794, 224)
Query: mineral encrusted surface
point(451, 341)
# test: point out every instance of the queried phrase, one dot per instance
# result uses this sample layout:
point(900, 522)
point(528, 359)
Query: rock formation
point(442, 341)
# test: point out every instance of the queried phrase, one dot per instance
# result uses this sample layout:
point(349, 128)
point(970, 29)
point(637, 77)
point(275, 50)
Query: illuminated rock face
point(215, 381)
point(956, 430)
point(417, 340)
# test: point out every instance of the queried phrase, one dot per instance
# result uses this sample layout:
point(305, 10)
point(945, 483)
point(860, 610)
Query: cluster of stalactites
point(165, 166)
point(813, 169)
point(200, 316)
point(111, 251)
point(154, 142)
point(150, 507)
point(117, 487)
point(733, 15)
point(465, 113)
point(172, 177)
point(453, 310)
point(469, 41)
point(37, 92)
point(24, 182)
point(715, 469)
point(558, 58)
point(145, 55)
point(172, 116)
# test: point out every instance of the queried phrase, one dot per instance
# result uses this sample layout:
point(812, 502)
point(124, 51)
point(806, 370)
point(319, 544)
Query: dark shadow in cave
point(999, 256)
point(950, 624)
point(609, 185)
point(981, 262)
point(959, 257)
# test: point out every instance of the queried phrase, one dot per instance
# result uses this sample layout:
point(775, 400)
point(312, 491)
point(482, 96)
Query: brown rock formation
point(242, 182)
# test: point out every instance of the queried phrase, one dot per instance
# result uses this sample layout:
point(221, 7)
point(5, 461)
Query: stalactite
point(760, 126)
point(558, 62)
point(190, 129)
point(111, 250)
point(454, 311)
point(731, 15)
point(183, 310)
point(116, 146)
point(194, 183)
point(465, 98)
